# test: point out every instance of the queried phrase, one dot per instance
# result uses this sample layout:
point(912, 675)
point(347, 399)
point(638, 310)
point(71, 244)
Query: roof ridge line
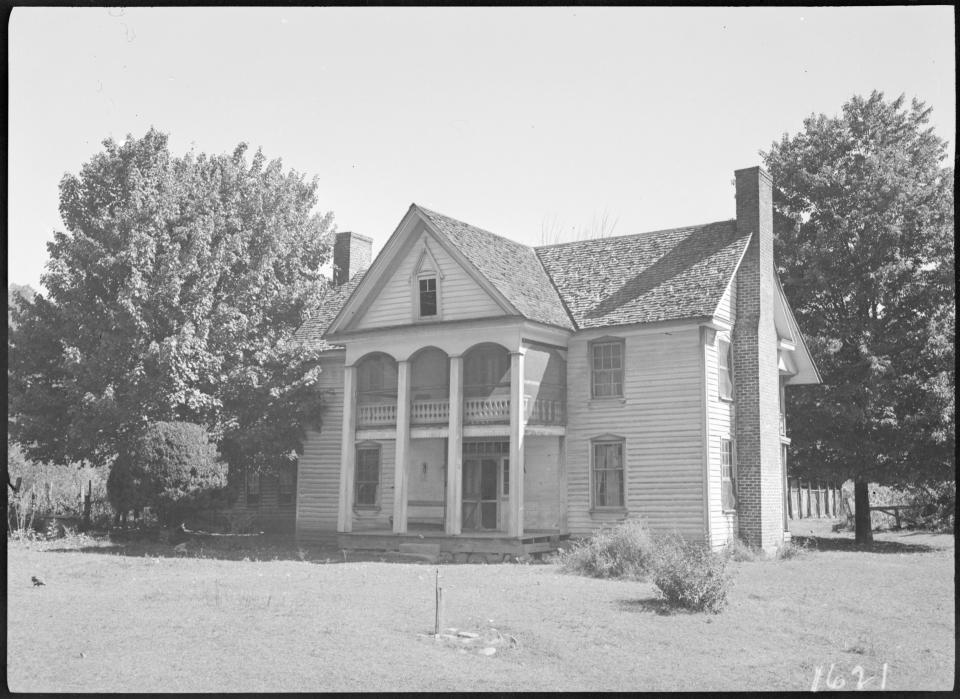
point(629, 235)
point(484, 230)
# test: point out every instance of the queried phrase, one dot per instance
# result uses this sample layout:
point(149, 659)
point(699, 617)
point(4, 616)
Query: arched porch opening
point(486, 384)
point(376, 390)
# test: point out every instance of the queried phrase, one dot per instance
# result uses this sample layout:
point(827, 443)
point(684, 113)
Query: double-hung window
point(252, 488)
point(366, 491)
point(606, 369)
point(607, 473)
point(428, 296)
point(286, 485)
point(725, 369)
point(728, 474)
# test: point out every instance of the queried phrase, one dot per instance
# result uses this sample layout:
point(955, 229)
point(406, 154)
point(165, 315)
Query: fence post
point(86, 504)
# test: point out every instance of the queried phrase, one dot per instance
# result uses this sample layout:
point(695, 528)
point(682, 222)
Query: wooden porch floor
point(532, 541)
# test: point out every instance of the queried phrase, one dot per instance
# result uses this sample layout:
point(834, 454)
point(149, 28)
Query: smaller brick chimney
point(351, 254)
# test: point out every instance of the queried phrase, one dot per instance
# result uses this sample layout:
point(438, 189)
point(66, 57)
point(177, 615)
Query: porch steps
point(425, 552)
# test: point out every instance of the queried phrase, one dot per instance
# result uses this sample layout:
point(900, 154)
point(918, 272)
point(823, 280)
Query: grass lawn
point(142, 617)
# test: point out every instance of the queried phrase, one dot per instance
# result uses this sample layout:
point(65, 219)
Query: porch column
point(348, 452)
point(452, 514)
point(517, 428)
point(403, 448)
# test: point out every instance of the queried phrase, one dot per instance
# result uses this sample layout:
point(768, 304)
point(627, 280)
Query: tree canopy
point(172, 296)
point(864, 246)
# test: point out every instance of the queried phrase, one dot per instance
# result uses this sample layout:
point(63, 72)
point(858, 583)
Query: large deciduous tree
point(865, 250)
point(172, 295)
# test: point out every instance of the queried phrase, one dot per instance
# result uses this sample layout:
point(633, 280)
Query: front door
point(481, 493)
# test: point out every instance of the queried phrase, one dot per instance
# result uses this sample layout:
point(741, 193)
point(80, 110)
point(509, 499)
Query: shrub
point(129, 485)
point(171, 467)
point(738, 550)
point(690, 574)
point(793, 549)
point(937, 503)
point(621, 551)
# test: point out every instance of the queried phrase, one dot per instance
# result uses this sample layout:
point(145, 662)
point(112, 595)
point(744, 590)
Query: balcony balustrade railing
point(485, 411)
point(543, 412)
point(476, 411)
point(430, 412)
point(376, 414)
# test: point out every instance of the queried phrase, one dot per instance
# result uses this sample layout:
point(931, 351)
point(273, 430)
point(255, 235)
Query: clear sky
point(517, 120)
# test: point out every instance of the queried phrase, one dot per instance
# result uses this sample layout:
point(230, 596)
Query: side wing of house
point(657, 426)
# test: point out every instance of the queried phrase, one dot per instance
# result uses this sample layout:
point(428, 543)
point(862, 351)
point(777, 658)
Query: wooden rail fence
point(806, 499)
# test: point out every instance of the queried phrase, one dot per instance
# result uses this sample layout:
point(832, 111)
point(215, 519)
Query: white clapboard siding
point(460, 296)
point(318, 469)
point(720, 424)
point(661, 421)
point(728, 303)
point(541, 483)
point(720, 415)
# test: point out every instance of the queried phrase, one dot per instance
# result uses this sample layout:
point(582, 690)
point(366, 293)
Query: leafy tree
point(173, 293)
point(170, 466)
point(865, 251)
point(14, 293)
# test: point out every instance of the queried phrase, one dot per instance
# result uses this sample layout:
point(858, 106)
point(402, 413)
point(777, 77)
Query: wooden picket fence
point(821, 499)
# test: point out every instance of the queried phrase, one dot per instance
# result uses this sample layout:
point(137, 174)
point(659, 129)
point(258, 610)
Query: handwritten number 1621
point(838, 682)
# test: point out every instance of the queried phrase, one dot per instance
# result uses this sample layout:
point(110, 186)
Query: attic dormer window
point(428, 297)
point(425, 287)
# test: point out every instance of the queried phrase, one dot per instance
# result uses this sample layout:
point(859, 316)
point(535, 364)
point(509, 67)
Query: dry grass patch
point(109, 622)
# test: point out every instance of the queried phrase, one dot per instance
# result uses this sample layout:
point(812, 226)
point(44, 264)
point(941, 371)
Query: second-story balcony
point(476, 411)
point(486, 389)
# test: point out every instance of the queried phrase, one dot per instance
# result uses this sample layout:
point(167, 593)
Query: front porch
point(529, 543)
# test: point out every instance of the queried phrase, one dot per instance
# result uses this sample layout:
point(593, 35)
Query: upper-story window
point(428, 297)
point(725, 369)
point(606, 369)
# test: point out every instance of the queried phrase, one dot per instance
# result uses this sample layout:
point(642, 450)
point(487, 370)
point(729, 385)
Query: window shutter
point(727, 497)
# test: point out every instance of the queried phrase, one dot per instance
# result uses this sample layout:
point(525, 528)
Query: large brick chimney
point(351, 254)
point(756, 375)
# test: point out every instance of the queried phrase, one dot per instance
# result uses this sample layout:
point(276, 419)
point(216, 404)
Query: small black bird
point(37, 581)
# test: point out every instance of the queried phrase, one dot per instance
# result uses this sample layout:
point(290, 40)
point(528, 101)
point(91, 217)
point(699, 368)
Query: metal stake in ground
point(438, 609)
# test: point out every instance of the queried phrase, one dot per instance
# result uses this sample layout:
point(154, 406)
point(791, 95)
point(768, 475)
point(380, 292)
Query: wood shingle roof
point(643, 278)
point(312, 331)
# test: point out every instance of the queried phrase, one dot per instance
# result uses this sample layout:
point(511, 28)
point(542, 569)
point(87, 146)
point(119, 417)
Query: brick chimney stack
point(351, 254)
point(760, 481)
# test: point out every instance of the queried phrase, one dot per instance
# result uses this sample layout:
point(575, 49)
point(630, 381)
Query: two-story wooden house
point(492, 397)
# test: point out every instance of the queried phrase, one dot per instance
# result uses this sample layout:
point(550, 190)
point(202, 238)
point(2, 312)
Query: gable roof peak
point(511, 268)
